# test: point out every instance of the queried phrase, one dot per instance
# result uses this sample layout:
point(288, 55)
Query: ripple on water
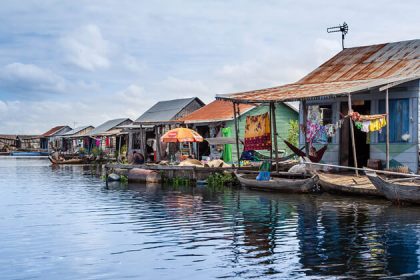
point(62, 222)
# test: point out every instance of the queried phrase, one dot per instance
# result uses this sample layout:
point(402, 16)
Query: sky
point(84, 62)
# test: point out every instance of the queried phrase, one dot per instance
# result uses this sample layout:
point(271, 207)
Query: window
point(399, 119)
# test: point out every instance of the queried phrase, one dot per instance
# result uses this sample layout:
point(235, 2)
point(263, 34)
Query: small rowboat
point(399, 190)
point(69, 161)
point(281, 182)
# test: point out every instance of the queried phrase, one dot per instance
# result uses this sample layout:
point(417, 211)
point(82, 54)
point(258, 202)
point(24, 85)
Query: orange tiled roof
point(53, 131)
point(218, 110)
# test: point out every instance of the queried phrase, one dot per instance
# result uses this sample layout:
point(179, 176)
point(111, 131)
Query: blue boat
point(28, 154)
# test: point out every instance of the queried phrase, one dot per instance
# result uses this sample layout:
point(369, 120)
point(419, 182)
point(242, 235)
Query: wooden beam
point(305, 119)
point(353, 141)
point(274, 122)
point(387, 127)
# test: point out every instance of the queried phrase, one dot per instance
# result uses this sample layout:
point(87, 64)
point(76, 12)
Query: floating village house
point(363, 104)
point(77, 138)
point(109, 136)
point(146, 131)
point(50, 139)
point(215, 122)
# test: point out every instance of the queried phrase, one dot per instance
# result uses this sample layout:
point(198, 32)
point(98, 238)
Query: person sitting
point(138, 158)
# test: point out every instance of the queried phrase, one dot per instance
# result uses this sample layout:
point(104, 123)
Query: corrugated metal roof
point(77, 130)
point(54, 130)
point(218, 110)
point(164, 111)
point(353, 69)
point(106, 126)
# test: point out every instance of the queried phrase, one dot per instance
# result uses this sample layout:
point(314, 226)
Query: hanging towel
point(227, 151)
point(257, 133)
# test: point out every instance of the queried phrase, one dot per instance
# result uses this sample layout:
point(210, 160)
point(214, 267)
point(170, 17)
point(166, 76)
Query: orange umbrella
point(181, 134)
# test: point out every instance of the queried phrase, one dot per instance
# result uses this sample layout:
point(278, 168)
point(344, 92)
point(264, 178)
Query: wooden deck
point(173, 171)
point(347, 184)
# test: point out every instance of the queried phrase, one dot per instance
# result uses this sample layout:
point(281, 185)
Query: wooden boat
point(281, 182)
point(69, 161)
point(347, 184)
point(398, 190)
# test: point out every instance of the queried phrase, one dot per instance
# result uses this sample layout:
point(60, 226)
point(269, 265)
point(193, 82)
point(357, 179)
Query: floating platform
point(173, 171)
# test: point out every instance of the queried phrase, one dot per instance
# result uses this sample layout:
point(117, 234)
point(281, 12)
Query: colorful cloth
point(377, 124)
point(227, 151)
point(257, 133)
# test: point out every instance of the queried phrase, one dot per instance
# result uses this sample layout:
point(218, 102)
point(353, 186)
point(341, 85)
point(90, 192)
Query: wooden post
point(305, 120)
point(276, 152)
point(271, 125)
point(387, 128)
point(235, 119)
point(353, 142)
point(119, 149)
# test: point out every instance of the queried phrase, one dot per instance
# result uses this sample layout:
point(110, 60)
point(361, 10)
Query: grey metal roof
point(108, 125)
point(165, 110)
point(76, 130)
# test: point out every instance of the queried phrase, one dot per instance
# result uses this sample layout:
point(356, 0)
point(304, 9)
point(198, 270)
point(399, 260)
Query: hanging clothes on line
point(257, 133)
point(369, 123)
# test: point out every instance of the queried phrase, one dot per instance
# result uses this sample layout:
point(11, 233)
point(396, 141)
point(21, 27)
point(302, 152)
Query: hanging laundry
point(321, 136)
point(377, 124)
point(358, 125)
point(365, 126)
point(257, 133)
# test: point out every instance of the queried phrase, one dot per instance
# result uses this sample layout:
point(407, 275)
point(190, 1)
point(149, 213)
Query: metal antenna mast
point(344, 29)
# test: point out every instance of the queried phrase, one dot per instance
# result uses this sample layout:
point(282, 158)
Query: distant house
point(76, 138)
point(152, 124)
point(108, 136)
point(214, 118)
point(358, 79)
point(48, 139)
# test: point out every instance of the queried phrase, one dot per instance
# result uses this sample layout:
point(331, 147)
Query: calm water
point(63, 223)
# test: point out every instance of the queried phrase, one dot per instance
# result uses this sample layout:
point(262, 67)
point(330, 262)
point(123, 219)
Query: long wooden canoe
point(347, 184)
point(396, 192)
point(69, 161)
point(283, 182)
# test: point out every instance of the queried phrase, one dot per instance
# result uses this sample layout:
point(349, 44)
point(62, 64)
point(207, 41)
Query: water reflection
point(97, 231)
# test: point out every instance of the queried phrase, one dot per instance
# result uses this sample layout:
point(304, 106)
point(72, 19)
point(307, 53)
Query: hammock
point(314, 158)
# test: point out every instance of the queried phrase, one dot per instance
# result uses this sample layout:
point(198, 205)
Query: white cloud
point(133, 94)
point(28, 77)
point(86, 48)
point(180, 88)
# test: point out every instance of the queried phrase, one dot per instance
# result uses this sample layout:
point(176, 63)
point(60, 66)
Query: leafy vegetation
point(293, 133)
point(221, 179)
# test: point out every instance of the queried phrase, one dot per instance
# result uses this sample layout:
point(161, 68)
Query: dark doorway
point(360, 137)
point(203, 147)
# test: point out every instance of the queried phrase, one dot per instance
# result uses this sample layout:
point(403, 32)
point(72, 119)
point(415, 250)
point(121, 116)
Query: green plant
point(293, 133)
point(97, 151)
point(82, 151)
point(123, 179)
point(178, 181)
point(220, 179)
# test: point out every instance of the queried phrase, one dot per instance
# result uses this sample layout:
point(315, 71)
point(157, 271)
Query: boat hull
point(68, 161)
point(279, 184)
point(397, 193)
point(346, 185)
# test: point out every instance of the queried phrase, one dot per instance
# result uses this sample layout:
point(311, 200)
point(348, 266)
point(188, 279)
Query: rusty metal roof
point(55, 130)
point(218, 110)
point(351, 70)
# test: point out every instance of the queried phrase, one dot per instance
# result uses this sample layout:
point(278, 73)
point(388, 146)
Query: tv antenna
point(344, 29)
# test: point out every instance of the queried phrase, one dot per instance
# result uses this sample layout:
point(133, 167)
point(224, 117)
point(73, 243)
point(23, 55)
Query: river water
point(64, 223)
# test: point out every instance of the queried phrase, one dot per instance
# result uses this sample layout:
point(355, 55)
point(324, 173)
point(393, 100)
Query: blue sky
point(84, 62)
